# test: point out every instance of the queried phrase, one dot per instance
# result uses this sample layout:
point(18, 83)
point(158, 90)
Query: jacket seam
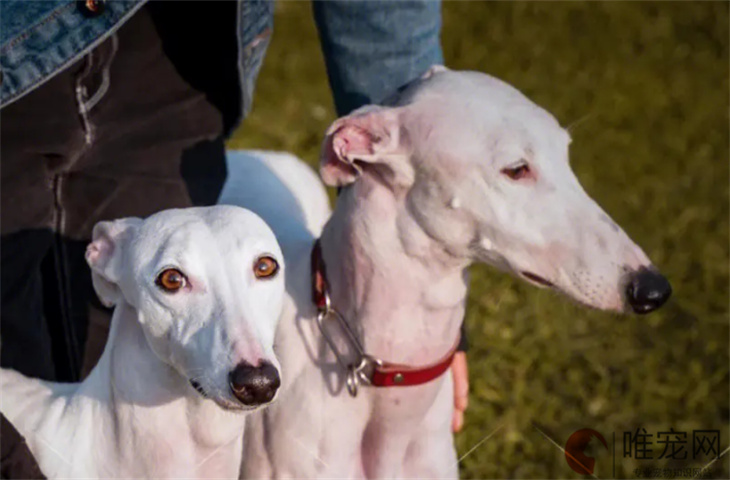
point(26, 33)
point(73, 57)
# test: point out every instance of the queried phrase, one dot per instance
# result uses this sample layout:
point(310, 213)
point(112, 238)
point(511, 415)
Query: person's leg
point(155, 143)
point(372, 48)
point(39, 134)
point(142, 140)
point(26, 345)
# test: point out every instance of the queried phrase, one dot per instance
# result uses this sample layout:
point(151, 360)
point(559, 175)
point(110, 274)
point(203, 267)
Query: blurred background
point(644, 89)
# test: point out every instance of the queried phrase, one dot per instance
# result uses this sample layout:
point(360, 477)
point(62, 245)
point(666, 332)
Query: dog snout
point(647, 290)
point(254, 386)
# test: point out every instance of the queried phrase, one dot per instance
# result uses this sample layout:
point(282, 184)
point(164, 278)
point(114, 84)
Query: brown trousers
point(119, 133)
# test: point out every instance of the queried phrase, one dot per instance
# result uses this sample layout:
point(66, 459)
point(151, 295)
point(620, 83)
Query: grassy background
point(647, 84)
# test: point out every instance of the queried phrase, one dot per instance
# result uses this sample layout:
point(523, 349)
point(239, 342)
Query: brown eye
point(265, 267)
point(516, 173)
point(171, 280)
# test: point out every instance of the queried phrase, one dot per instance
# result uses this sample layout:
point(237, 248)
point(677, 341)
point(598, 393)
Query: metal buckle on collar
point(365, 369)
point(359, 372)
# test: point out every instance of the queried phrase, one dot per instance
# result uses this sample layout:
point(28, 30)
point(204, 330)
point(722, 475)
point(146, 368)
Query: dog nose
point(647, 290)
point(254, 386)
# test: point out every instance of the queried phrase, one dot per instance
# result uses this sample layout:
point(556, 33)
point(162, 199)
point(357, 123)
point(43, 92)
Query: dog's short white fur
point(137, 415)
point(460, 167)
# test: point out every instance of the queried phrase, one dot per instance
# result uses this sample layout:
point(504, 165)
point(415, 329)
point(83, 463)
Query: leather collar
point(383, 374)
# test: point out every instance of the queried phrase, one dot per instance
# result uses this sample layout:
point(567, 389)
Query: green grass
point(647, 85)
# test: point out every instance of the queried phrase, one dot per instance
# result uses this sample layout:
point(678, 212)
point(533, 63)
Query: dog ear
point(105, 256)
point(433, 70)
point(370, 136)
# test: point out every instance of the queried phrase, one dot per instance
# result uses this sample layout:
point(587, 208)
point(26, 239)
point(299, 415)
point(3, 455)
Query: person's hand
point(460, 374)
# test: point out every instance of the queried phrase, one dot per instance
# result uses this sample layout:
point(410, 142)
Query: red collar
point(383, 374)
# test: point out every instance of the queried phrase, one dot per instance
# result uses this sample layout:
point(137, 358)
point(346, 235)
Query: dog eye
point(171, 280)
point(516, 173)
point(265, 267)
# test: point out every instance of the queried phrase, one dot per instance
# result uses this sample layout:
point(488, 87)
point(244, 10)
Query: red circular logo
point(575, 451)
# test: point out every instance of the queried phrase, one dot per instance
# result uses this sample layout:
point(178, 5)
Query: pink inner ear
point(340, 150)
point(351, 140)
point(98, 250)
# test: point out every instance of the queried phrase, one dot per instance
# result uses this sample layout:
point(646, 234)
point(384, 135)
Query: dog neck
point(401, 291)
point(155, 416)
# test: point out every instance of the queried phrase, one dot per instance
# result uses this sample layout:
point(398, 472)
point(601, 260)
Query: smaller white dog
point(197, 295)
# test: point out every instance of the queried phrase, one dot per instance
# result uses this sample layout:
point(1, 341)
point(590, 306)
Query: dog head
point(484, 173)
point(207, 287)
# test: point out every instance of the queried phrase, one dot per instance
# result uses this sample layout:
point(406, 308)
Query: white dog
point(197, 294)
point(459, 167)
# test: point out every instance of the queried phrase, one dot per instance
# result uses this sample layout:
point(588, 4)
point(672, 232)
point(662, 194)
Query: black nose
point(254, 386)
point(647, 290)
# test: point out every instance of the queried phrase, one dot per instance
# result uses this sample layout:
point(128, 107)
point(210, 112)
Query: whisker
point(580, 120)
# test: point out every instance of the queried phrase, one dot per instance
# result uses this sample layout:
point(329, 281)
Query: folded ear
point(433, 70)
point(370, 136)
point(105, 256)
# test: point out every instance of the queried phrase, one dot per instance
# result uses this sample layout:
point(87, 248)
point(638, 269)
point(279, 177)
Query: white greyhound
point(459, 167)
point(197, 294)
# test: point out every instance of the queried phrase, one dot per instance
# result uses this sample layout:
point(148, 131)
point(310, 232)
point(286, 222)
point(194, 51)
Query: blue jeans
point(371, 48)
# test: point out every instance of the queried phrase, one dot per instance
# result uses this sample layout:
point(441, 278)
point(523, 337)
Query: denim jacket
point(370, 48)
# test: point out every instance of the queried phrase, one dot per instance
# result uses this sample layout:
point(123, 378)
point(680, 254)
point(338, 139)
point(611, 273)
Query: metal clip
point(357, 373)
